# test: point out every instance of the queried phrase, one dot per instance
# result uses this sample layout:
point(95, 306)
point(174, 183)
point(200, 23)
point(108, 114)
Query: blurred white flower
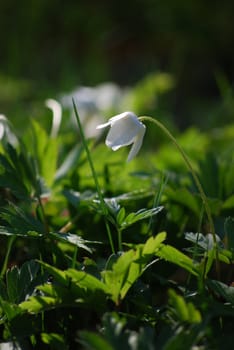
point(3, 122)
point(5, 130)
point(125, 129)
point(56, 108)
point(92, 104)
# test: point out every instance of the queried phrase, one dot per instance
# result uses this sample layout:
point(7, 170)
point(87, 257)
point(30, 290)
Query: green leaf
point(176, 257)
point(68, 288)
point(58, 274)
point(54, 295)
point(19, 221)
point(9, 309)
point(152, 244)
point(93, 341)
point(183, 197)
point(36, 304)
point(54, 340)
point(129, 267)
point(70, 163)
point(185, 312)
point(121, 216)
point(210, 174)
point(10, 231)
point(13, 284)
point(115, 278)
point(86, 281)
point(229, 203)
point(222, 290)
point(12, 177)
point(132, 218)
point(116, 335)
point(45, 152)
point(74, 240)
point(206, 242)
point(20, 281)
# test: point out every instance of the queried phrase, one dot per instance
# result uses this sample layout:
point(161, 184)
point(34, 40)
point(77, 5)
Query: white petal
point(123, 132)
point(3, 125)
point(136, 144)
point(56, 108)
point(123, 115)
point(101, 126)
point(117, 117)
point(114, 148)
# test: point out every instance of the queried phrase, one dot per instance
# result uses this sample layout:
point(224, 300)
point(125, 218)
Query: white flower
point(125, 129)
point(5, 131)
point(56, 108)
point(3, 122)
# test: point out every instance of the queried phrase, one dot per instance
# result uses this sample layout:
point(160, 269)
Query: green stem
point(102, 202)
point(5, 263)
point(45, 222)
point(195, 178)
point(120, 239)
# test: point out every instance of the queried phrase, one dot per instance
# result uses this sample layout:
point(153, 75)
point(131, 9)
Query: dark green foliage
point(63, 286)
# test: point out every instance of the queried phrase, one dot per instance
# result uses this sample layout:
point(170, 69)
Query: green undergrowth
point(65, 286)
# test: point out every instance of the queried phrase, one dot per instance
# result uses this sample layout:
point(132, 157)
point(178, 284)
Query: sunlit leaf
point(176, 257)
point(74, 240)
point(54, 340)
point(132, 218)
point(129, 267)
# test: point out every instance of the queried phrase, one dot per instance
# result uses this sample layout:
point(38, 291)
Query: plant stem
point(5, 263)
point(102, 202)
point(45, 222)
point(120, 239)
point(195, 178)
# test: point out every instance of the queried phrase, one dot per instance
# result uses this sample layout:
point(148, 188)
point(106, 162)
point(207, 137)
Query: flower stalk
point(102, 202)
point(195, 178)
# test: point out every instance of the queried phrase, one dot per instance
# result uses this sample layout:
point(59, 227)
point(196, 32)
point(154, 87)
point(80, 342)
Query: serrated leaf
point(12, 282)
point(19, 221)
point(176, 257)
point(17, 172)
point(10, 231)
point(11, 310)
point(120, 216)
point(58, 274)
point(152, 244)
point(87, 281)
point(36, 304)
point(141, 214)
point(19, 281)
point(129, 267)
point(74, 240)
point(227, 292)
point(68, 288)
point(204, 241)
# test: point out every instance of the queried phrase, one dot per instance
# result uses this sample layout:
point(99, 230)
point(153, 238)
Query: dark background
point(52, 46)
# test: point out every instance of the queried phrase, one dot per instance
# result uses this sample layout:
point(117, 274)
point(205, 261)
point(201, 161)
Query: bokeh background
point(51, 47)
